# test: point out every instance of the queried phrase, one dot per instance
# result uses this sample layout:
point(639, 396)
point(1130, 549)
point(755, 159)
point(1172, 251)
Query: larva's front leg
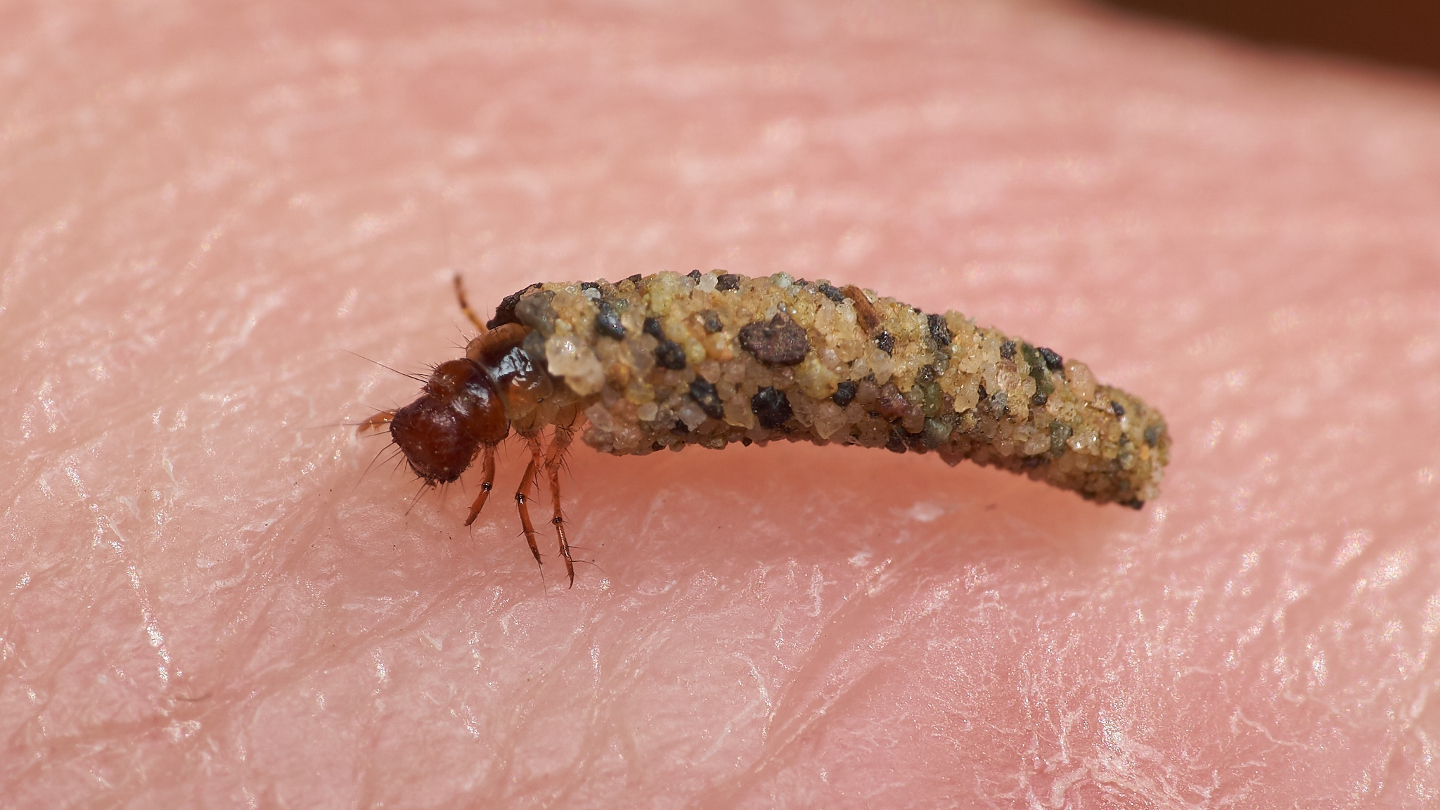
point(376, 422)
point(485, 486)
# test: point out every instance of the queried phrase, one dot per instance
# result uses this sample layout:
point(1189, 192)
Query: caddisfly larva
point(707, 359)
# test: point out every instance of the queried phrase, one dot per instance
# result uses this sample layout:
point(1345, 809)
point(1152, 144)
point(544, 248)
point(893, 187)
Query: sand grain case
point(670, 360)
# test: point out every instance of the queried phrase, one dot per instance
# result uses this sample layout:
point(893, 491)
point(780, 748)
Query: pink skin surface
point(205, 600)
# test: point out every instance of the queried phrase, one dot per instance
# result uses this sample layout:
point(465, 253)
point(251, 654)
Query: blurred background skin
point(208, 207)
point(1398, 32)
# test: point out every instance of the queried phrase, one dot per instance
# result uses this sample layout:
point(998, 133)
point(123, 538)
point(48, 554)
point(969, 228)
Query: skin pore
point(206, 600)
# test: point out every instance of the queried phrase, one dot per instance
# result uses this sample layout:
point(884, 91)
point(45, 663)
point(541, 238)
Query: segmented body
point(670, 360)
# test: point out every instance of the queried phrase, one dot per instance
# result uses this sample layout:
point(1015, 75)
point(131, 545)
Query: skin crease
point(204, 601)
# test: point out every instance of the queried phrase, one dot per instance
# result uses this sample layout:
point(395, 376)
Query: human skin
point(219, 219)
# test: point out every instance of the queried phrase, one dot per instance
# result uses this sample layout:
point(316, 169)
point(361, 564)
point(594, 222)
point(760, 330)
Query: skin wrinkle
point(209, 206)
point(787, 725)
point(807, 722)
point(573, 779)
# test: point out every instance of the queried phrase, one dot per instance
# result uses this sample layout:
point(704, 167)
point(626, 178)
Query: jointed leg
point(465, 305)
point(485, 486)
point(553, 457)
point(522, 495)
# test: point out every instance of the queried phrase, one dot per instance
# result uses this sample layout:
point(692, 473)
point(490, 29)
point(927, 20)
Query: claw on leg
point(522, 495)
point(553, 457)
point(485, 486)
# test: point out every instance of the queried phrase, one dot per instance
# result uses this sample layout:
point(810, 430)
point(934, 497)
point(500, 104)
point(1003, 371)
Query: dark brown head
point(441, 432)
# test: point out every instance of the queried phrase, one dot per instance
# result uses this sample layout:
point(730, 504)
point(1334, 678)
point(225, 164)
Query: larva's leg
point(522, 495)
point(377, 421)
point(465, 305)
point(485, 486)
point(553, 457)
